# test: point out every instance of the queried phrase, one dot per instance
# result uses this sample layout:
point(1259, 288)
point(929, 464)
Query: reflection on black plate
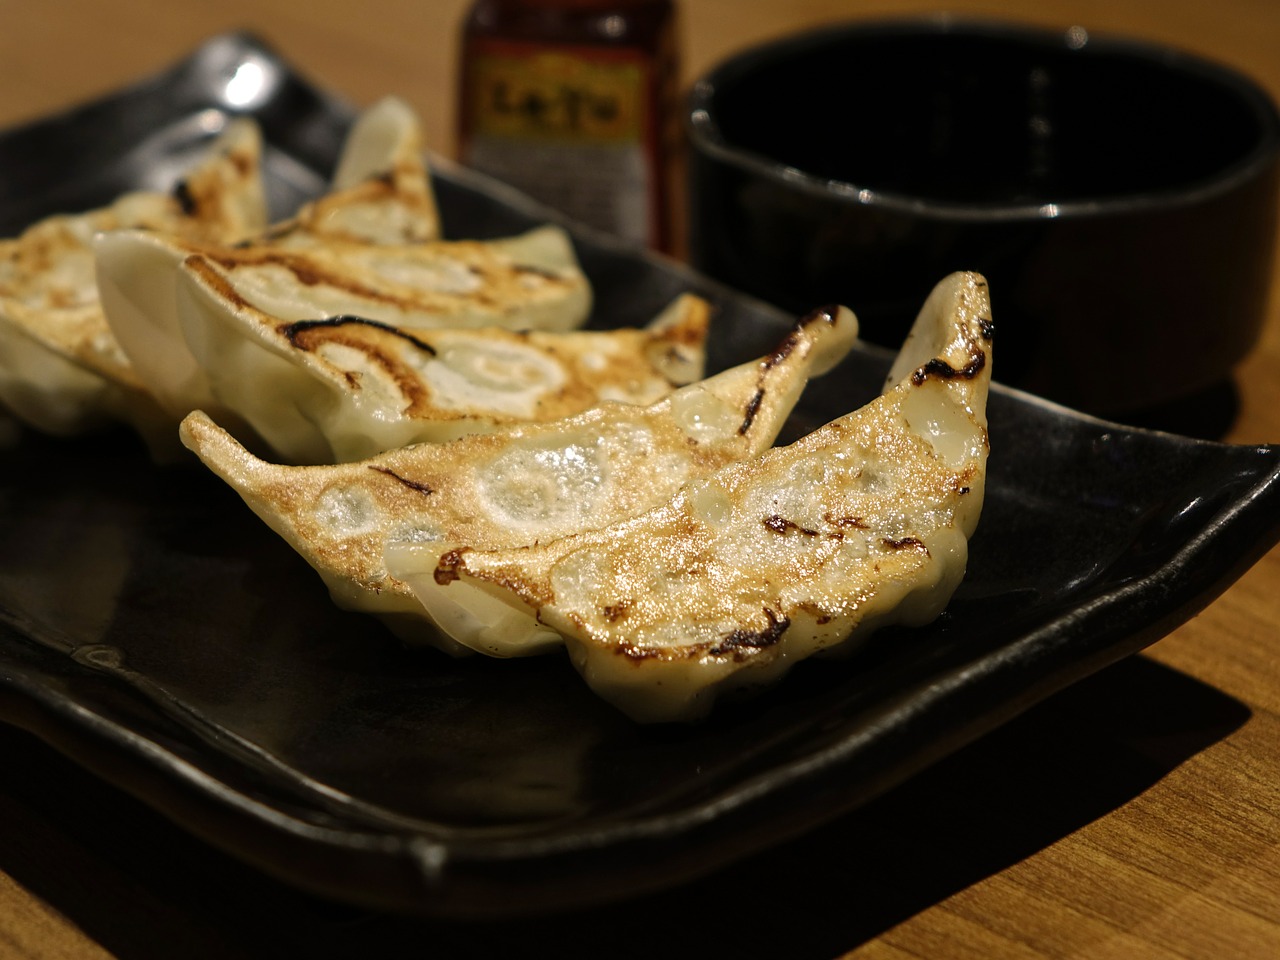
point(152, 629)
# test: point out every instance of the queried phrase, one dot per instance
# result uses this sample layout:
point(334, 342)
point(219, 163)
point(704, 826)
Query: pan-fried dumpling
point(381, 191)
point(745, 571)
point(531, 281)
point(524, 484)
point(345, 388)
point(61, 368)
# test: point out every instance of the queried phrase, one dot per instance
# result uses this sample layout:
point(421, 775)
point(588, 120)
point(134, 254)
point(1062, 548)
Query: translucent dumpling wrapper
point(61, 367)
point(345, 388)
point(62, 370)
point(381, 190)
point(520, 485)
point(750, 569)
point(528, 282)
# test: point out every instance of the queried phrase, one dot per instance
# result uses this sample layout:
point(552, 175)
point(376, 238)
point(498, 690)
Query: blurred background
point(361, 55)
point(337, 42)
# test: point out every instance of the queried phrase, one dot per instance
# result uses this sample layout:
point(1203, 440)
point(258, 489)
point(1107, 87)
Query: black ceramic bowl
point(1120, 197)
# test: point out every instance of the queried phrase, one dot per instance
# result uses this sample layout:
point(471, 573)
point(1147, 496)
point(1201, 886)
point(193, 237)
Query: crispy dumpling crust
point(62, 369)
point(344, 388)
point(531, 281)
point(521, 484)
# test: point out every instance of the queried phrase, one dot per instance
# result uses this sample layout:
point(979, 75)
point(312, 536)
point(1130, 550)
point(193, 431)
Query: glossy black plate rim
point(294, 830)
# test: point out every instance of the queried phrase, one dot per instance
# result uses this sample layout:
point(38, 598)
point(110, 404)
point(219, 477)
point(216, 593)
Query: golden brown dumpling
point(519, 485)
point(759, 564)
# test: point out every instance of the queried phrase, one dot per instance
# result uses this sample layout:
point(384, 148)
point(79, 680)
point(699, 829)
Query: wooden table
point(1135, 815)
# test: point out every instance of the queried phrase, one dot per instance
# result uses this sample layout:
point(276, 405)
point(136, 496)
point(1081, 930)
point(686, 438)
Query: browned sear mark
point(222, 286)
point(742, 640)
point(615, 611)
point(937, 367)
point(296, 332)
point(902, 544)
point(780, 353)
point(304, 271)
point(186, 198)
point(447, 568)
point(855, 523)
point(411, 484)
point(782, 525)
point(370, 339)
point(825, 314)
point(753, 407)
point(785, 348)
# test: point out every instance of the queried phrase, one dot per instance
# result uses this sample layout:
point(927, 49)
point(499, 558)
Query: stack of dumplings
point(426, 423)
point(62, 368)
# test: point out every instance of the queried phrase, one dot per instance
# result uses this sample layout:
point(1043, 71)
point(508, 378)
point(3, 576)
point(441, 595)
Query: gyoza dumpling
point(746, 571)
point(344, 388)
point(523, 484)
point(61, 368)
point(531, 281)
point(381, 190)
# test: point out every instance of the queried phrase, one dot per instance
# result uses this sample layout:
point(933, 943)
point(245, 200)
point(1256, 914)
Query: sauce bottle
point(574, 102)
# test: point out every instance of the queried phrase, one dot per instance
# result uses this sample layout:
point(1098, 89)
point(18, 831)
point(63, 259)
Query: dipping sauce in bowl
point(1120, 197)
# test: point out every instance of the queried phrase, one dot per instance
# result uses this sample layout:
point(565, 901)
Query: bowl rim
point(706, 138)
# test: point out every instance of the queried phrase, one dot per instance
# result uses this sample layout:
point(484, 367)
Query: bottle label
point(569, 125)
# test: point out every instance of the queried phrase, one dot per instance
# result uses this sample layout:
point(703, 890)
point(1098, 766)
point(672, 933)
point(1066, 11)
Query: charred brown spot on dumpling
point(308, 275)
point(304, 271)
point(300, 332)
point(845, 523)
point(753, 408)
point(221, 286)
point(411, 484)
point(826, 314)
point(447, 568)
point(791, 341)
point(375, 341)
point(186, 198)
point(784, 526)
point(615, 611)
point(905, 543)
point(639, 654)
point(780, 353)
point(988, 328)
point(740, 641)
point(783, 349)
point(939, 368)
point(692, 331)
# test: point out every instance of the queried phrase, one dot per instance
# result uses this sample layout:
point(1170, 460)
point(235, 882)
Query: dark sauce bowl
point(1120, 197)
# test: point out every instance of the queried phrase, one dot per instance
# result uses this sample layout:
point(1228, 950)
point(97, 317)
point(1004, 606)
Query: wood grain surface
point(1136, 815)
